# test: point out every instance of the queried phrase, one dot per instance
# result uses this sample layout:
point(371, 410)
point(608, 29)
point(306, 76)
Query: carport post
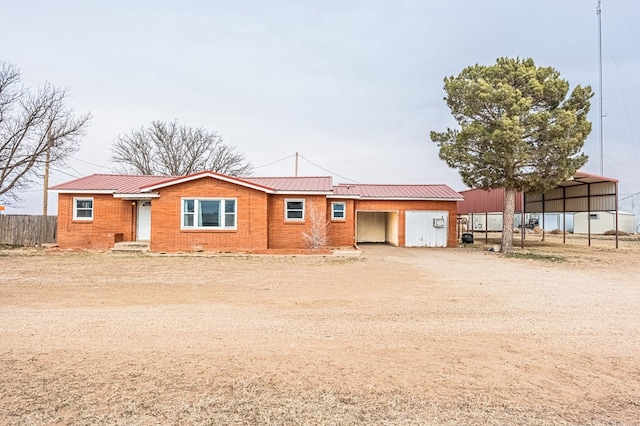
point(486, 227)
point(616, 197)
point(522, 228)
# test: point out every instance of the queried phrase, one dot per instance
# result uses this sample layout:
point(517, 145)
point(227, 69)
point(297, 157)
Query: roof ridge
point(391, 184)
point(286, 177)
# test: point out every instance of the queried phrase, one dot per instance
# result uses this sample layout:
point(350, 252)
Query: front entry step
point(131, 247)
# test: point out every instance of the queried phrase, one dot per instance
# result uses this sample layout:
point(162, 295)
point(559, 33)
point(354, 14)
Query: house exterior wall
point(289, 234)
point(251, 218)
point(260, 219)
point(392, 228)
point(341, 233)
point(402, 206)
point(111, 217)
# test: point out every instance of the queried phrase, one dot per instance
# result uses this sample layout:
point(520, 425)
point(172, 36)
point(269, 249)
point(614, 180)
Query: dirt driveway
point(393, 336)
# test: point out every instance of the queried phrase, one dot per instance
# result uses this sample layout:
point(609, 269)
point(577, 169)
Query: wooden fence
point(27, 230)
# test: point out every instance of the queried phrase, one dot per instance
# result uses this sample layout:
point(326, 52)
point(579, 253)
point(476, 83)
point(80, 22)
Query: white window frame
point(288, 210)
point(75, 208)
point(343, 211)
point(196, 213)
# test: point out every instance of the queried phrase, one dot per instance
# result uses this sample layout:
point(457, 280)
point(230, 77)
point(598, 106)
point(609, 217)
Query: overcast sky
point(354, 86)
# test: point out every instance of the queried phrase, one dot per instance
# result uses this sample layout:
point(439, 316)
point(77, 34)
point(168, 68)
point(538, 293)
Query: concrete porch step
point(130, 247)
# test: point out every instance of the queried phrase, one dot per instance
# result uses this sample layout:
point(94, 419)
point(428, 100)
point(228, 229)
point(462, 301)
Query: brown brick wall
point(251, 218)
point(289, 234)
point(256, 229)
point(341, 233)
point(110, 217)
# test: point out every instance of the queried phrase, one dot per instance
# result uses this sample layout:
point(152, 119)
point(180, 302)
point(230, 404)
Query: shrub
point(613, 232)
point(557, 232)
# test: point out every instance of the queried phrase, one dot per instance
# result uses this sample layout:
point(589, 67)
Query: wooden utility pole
point(45, 199)
point(296, 171)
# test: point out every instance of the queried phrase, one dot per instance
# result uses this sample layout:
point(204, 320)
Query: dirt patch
point(393, 336)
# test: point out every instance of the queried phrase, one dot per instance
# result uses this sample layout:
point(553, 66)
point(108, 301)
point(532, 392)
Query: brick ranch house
point(208, 211)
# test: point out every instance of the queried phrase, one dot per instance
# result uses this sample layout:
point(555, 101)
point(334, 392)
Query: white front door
point(144, 221)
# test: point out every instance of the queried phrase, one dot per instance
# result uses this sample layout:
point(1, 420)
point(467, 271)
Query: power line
point(92, 164)
point(274, 162)
point(65, 173)
point(327, 170)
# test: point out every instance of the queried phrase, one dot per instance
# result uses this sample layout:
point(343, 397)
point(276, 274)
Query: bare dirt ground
point(393, 336)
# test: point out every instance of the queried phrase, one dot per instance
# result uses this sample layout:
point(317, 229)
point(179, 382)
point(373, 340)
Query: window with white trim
point(338, 211)
point(294, 210)
point(82, 208)
point(208, 213)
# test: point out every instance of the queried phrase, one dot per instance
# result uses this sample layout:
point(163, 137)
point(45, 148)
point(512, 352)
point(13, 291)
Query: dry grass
point(396, 336)
point(135, 398)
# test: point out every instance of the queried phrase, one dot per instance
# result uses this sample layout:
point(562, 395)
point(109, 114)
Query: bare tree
point(316, 238)
point(33, 124)
point(176, 150)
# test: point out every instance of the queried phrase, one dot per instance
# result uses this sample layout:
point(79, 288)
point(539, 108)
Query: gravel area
point(389, 336)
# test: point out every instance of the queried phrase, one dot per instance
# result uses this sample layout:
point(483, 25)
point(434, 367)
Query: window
point(294, 209)
point(338, 211)
point(83, 209)
point(208, 213)
point(593, 216)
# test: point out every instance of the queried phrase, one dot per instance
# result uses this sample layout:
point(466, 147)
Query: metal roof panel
point(123, 184)
point(435, 191)
point(297, 183)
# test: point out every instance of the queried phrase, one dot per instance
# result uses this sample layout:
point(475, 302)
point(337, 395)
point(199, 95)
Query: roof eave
point(413, 198)
point(284, 192)
point(137, 195)
point(355, 197)
point(83, 191)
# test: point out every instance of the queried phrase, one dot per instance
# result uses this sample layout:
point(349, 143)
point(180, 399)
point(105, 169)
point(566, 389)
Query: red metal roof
point(439, 191)
point(298, 183)
point(133, 184)
point(485, 201)
point(205, 174)
point(119, 184)
point(492, 200)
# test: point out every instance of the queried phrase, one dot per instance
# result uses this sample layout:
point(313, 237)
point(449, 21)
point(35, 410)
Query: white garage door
point(426, 228)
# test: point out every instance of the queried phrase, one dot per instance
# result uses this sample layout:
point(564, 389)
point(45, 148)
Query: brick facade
point(402, 206)
point(251, 206)
point(113, 219)
point(341, 233)
point(260, 218)
point(289, 234)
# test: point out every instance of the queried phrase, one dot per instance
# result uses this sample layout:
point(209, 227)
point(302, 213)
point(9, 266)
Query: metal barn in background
point(555, 209)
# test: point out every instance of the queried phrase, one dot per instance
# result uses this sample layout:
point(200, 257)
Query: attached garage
point(402, 215)
point(377, 227)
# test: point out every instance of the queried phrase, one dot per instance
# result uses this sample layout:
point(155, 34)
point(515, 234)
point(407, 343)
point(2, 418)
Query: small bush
point(535, 256)
point(557, 232)
point(613, 232)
